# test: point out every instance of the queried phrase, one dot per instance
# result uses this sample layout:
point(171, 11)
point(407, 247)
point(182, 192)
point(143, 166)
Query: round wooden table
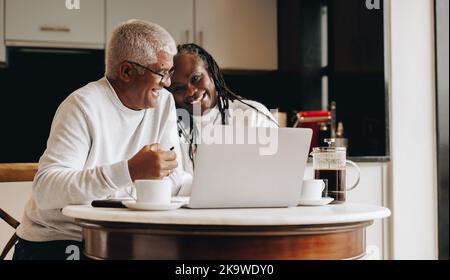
point(298, 233)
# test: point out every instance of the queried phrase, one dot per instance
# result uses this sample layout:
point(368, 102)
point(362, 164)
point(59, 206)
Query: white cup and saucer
point(311, 193)
point(153, 195)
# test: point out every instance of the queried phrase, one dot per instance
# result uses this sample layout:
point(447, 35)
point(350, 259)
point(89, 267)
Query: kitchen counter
point(25, 171)
point(370, 159)
point(362, 159)
point(17, 172)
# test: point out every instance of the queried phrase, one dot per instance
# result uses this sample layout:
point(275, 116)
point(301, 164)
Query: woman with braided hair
point(199, 88)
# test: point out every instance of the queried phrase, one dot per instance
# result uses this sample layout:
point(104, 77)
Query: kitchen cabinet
point(372, 190)
point(49, 23)
point(358, 38)
point(176, 16)
point(240, 34)
point(2, 36)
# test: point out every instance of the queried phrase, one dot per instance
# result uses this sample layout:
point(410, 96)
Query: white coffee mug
point(312, 189)
point(153, 191)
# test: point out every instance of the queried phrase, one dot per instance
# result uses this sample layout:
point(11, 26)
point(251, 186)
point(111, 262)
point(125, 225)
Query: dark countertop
point(380, 159)
point(370, 159)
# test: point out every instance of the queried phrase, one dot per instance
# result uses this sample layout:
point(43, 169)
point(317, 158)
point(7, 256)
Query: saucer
point(152, 206)
point(316, 202)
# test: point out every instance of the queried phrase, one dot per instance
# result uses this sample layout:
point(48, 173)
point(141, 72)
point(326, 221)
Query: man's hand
point(151, 162)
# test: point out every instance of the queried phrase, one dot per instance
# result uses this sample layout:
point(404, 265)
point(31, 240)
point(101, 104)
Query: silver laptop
point(250, 173)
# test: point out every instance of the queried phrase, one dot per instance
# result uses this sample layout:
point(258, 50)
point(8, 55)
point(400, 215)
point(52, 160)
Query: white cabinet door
point(176, 16)
point(2, 36)
point(369, 191)
point(51, 23)
point(240, 34)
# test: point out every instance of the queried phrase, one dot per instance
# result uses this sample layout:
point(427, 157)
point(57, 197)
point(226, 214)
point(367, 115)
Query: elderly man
point(100, 139)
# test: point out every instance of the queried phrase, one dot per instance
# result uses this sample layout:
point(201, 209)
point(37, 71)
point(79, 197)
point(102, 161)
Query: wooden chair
point(14, 172)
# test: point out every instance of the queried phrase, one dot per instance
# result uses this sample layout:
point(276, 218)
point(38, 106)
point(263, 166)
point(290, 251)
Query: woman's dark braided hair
point(224, 94)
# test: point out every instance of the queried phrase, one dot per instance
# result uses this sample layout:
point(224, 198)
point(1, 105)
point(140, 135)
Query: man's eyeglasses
point(164, 77)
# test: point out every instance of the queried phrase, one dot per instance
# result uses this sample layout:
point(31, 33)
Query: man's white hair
point(138, 41)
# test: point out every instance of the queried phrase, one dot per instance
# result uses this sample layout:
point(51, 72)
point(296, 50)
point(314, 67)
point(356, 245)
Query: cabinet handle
point(188, 35)
point(55, 29)
point(200, 38)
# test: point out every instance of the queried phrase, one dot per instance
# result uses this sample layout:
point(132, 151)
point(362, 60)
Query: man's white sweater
point(92, 137)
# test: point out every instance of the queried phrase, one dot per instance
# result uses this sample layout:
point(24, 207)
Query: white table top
point(329, 214)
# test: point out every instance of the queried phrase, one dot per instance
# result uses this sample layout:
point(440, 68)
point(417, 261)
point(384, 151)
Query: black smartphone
point(109, 203)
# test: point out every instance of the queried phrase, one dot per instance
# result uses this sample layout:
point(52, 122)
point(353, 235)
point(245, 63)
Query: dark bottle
point(324, 133)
